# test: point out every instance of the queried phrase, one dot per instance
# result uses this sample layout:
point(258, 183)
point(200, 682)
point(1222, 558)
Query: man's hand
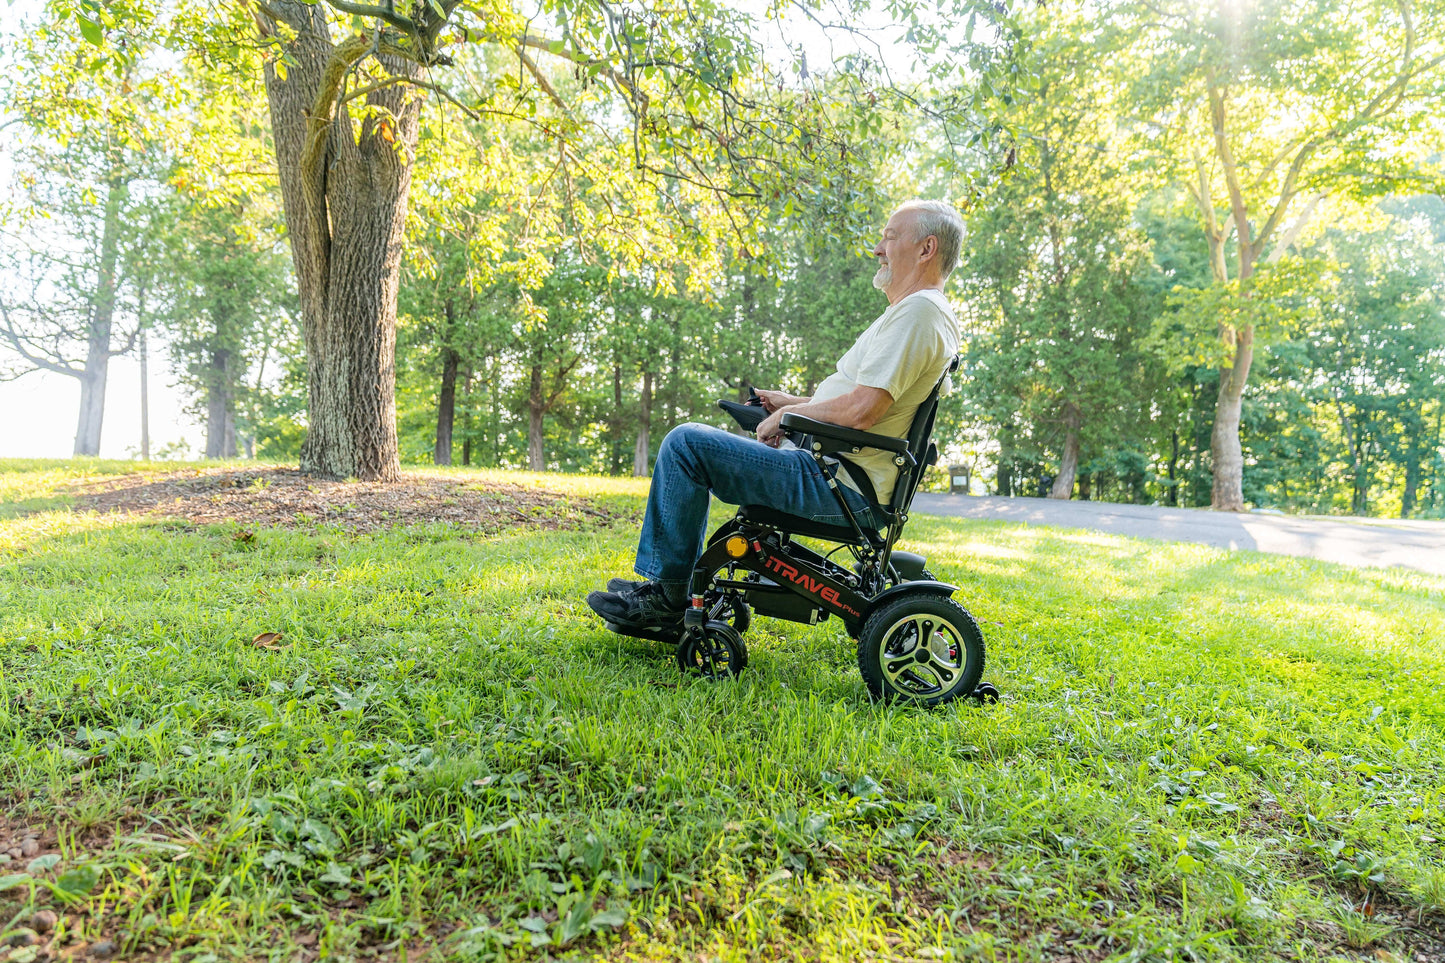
point(770, 429)
point(774, 400)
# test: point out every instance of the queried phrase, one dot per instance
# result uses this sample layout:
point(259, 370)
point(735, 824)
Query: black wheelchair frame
point(915, 643)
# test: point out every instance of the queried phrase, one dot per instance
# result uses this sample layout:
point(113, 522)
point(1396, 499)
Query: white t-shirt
point(904, 352)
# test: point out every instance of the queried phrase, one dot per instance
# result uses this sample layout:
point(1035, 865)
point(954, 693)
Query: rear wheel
point(924, 649)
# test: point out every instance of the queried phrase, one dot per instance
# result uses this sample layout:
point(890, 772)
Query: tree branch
point(17, 344)
point(1231, 174)
point(542, 81)
point(404, 24)
point(1292, 234)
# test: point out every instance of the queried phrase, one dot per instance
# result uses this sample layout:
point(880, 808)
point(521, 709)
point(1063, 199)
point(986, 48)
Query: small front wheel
point(716, 652)
point(924, 649)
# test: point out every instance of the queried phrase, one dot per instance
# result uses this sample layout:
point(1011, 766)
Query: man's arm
point(860, 408)
point(773, 400)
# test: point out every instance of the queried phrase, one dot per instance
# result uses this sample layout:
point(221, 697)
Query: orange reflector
point(737, 546)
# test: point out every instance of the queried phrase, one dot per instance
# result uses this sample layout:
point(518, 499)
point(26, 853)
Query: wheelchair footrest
point(671, 638)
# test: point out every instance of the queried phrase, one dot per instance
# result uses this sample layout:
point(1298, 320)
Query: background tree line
point(1203, 265)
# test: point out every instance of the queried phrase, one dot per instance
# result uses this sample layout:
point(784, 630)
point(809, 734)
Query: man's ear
point(930, 247)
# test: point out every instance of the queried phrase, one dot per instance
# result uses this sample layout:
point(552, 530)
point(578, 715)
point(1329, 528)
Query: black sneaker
point(645, 608)
point(623, 584)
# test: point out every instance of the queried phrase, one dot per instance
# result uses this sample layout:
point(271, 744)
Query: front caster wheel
point(715, 653)
point(924, 649)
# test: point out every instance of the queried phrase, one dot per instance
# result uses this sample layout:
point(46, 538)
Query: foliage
point(1056, 369)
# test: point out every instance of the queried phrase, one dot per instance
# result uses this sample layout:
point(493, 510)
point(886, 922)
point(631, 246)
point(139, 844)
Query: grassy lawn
point(1199, 755)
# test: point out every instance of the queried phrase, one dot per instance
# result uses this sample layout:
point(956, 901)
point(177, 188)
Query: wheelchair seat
point(807, 527)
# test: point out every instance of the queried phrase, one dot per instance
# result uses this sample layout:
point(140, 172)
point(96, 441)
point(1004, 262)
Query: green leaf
point(12, 881)
point(90, 30)
point(41, 863)
point(336, 873)
point(81, 879)
point(612, 917)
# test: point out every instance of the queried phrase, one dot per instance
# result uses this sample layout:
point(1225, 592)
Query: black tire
point(735, 611)
point(719, 653)
point(895, 669)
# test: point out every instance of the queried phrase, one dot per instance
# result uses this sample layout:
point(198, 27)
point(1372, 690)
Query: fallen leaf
point(267, 640)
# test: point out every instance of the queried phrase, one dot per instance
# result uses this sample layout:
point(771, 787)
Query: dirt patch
point(283, 497)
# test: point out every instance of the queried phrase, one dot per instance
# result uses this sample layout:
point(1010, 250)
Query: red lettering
point(822, 589)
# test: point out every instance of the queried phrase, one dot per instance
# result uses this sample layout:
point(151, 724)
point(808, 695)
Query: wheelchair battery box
point(777, 602)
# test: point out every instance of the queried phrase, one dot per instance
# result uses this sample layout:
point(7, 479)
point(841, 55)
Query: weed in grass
point(1360, 930)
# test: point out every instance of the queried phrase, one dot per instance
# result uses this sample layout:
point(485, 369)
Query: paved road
point(1411, 544)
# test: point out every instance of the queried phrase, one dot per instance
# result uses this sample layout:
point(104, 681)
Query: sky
point(38, 412)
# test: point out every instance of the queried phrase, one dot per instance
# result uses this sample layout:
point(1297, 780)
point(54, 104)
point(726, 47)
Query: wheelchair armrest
point(837, 438)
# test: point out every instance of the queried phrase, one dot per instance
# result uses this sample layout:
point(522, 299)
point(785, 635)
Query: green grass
point(1200, 755)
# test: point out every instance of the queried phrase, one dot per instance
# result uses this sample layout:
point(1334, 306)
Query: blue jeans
point(697, 459)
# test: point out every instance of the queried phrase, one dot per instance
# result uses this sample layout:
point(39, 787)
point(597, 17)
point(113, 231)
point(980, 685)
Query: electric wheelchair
point(915, 643)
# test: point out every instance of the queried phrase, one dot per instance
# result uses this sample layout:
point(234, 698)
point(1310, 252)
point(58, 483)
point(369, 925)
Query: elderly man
point(878, 385)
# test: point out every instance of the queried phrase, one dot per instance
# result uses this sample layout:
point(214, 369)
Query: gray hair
point(943, 221)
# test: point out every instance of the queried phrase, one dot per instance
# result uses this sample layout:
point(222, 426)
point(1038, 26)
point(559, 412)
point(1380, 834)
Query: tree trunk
point(1227, 493)
point(145, 406)
point(1413, 453)
point(446, 404)
point(642, 451)
point(102, 316)
point(92, 410)
point(220, 406)
point(1003, 476)
point(344, 189)
point(615, 467)
point(536, 408)
point(1063, 487)
point(1173, 497)
point(494, 418)
point(467, 419)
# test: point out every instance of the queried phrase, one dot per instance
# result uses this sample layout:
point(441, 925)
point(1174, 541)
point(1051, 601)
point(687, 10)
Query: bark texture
point(1063, 487)
point(145, 404)
point(643, 449)
point(221, 405)
point(344, 187)
point(1227, 491)
point(102, 318)
point(536, 408)
point(447, 402)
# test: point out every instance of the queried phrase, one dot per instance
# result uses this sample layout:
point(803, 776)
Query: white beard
point(883, 278)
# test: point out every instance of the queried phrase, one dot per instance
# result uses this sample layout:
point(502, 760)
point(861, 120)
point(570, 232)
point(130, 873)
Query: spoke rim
point(922, 655)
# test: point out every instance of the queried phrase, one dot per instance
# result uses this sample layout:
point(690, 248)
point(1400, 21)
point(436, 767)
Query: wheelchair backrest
point(920, 444)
